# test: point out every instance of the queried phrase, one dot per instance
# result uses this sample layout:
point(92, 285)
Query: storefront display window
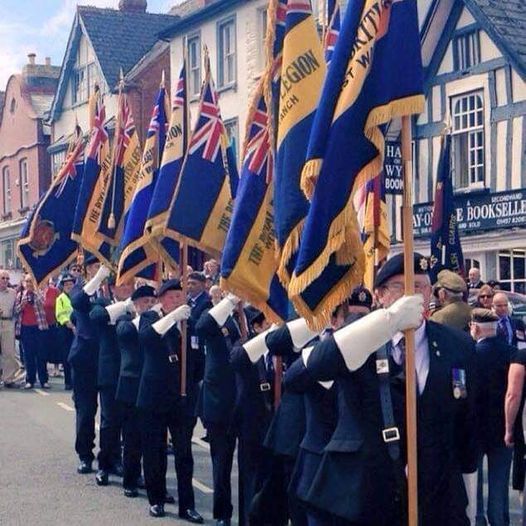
point(512, 270)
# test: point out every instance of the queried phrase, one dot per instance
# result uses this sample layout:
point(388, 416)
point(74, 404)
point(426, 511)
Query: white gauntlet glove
point(361, 338)
point(94, 283)
point(162, 326)
point(224, 309)
point(300, 334)
point(116, 310)
point(257, 347)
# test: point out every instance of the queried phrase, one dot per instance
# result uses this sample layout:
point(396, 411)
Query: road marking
point(65, 406)
point(41, 393)
point(201, 443)
point(202, 487)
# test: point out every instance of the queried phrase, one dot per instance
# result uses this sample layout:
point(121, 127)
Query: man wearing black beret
point(362, 475)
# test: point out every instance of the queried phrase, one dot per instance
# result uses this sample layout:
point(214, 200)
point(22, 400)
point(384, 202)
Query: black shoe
point(223, 522)
point(169, 499)
point(131, 493)
point(84, 467)
point(117, 470)
point(102, 477)
point(157, 510)
point(192, 516)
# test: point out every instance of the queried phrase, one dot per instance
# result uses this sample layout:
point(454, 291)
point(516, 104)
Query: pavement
point(38, 480)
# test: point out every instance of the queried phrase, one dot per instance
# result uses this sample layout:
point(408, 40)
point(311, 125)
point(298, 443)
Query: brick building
point(25, 170)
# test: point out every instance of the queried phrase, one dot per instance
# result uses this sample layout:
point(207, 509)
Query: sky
point(42, 27)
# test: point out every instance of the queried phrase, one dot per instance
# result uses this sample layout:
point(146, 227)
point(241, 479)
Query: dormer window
point(84, 73)
point(466, 50)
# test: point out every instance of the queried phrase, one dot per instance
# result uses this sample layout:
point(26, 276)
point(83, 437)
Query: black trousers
point(154, 426)
point(110, 428)
point(85, 399)
point(222, 446)
point(65, 336)
point(131, 453)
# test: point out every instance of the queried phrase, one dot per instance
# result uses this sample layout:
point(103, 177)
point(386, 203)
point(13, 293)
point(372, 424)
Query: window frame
point(262, 24)
point(23, 183)
point(466, 49)
point(222, 82)
point(85, 66)
point(230, 124)
point(194, 90)
point(511, 283)
point(7, 205)
point(468, 131)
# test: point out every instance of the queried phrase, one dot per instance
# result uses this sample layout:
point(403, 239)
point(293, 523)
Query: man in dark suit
point(216, 401)
point(143, 298)
point(474, 281)
point(512, 330)
point(361, 477)
point(83, 359)
point(493, 357)
point(104, 317)
point(161, 404)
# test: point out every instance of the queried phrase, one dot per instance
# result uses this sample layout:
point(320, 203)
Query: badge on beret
point(362, 296)
point(459, 384)
point(423, 264)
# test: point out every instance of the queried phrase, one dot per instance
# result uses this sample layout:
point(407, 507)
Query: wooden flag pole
point(410, 384)
point(184, 325)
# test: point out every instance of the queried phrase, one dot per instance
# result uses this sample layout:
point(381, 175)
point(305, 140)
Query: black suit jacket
point(493, 361)
point(109, 355)
point(200, 305)
point(84, 351)
point(218, 391)
point(131, 360)
point(356, 478)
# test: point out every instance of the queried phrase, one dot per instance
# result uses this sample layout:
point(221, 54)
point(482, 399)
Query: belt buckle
point(264, 386)
point(390, 434)
point(173, 358)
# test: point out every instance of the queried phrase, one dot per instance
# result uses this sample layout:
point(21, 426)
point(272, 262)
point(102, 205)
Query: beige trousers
point(11, 367)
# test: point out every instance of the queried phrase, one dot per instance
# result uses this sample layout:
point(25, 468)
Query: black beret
point(361, 297)
point(254, 315)
point(89, 259)
point(145, 291)
point(171, 284)
point(395, 266)
point(198, 276)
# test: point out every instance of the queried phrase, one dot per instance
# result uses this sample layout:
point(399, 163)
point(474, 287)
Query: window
point(262, 35)
point(12, 107)
point(7, 254)
point(23, 182)
point(512, 270)
point(466, 50)
point(226, 51)
point(233, 136)
point(6, 187)
point(57, 161)
point(468, 140)
point(194, 65)
point(84, 74)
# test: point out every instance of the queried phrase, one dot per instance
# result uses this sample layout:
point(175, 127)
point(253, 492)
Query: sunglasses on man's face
point(5, 279)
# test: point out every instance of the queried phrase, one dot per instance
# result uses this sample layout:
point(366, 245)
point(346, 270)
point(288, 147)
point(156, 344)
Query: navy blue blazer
point(356, 478)
point(131, 360)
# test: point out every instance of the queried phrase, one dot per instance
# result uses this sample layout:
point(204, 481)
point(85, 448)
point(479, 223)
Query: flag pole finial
point(163, 79)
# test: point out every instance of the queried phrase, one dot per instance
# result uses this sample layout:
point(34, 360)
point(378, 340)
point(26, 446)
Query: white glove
point(116, 310)
point(361, 338)
point(300, 333)
point(470, 482)
point(94, 283)
point(256, 347)
point(162, 326)
point(223, 309)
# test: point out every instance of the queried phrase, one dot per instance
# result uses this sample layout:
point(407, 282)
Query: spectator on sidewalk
point(474, 281)
point(485, 297)
point(512, 330)
point(11, 371)
point(66, 329)
point(53, 349)
point(32, 327)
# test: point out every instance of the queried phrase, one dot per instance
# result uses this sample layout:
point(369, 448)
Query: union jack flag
point(332, 33)
point(68, 171)
point(300, 8)
point(99, 134)
point(210, 129)
point(125, 131)
point(258, 150)
point(180, 91)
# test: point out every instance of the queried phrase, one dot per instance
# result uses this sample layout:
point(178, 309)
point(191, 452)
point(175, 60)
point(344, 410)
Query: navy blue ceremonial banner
point(138, 254)
point(46, 246)
point(375, 75)
point(250, 243)
point(446, 250)
point(201, 209)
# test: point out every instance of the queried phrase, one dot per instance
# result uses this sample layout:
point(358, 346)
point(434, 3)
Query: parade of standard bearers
point(355, 387)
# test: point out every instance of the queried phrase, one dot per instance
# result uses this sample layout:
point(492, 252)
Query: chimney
point(133, 6)
point(31, 57)
point(48, 61)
